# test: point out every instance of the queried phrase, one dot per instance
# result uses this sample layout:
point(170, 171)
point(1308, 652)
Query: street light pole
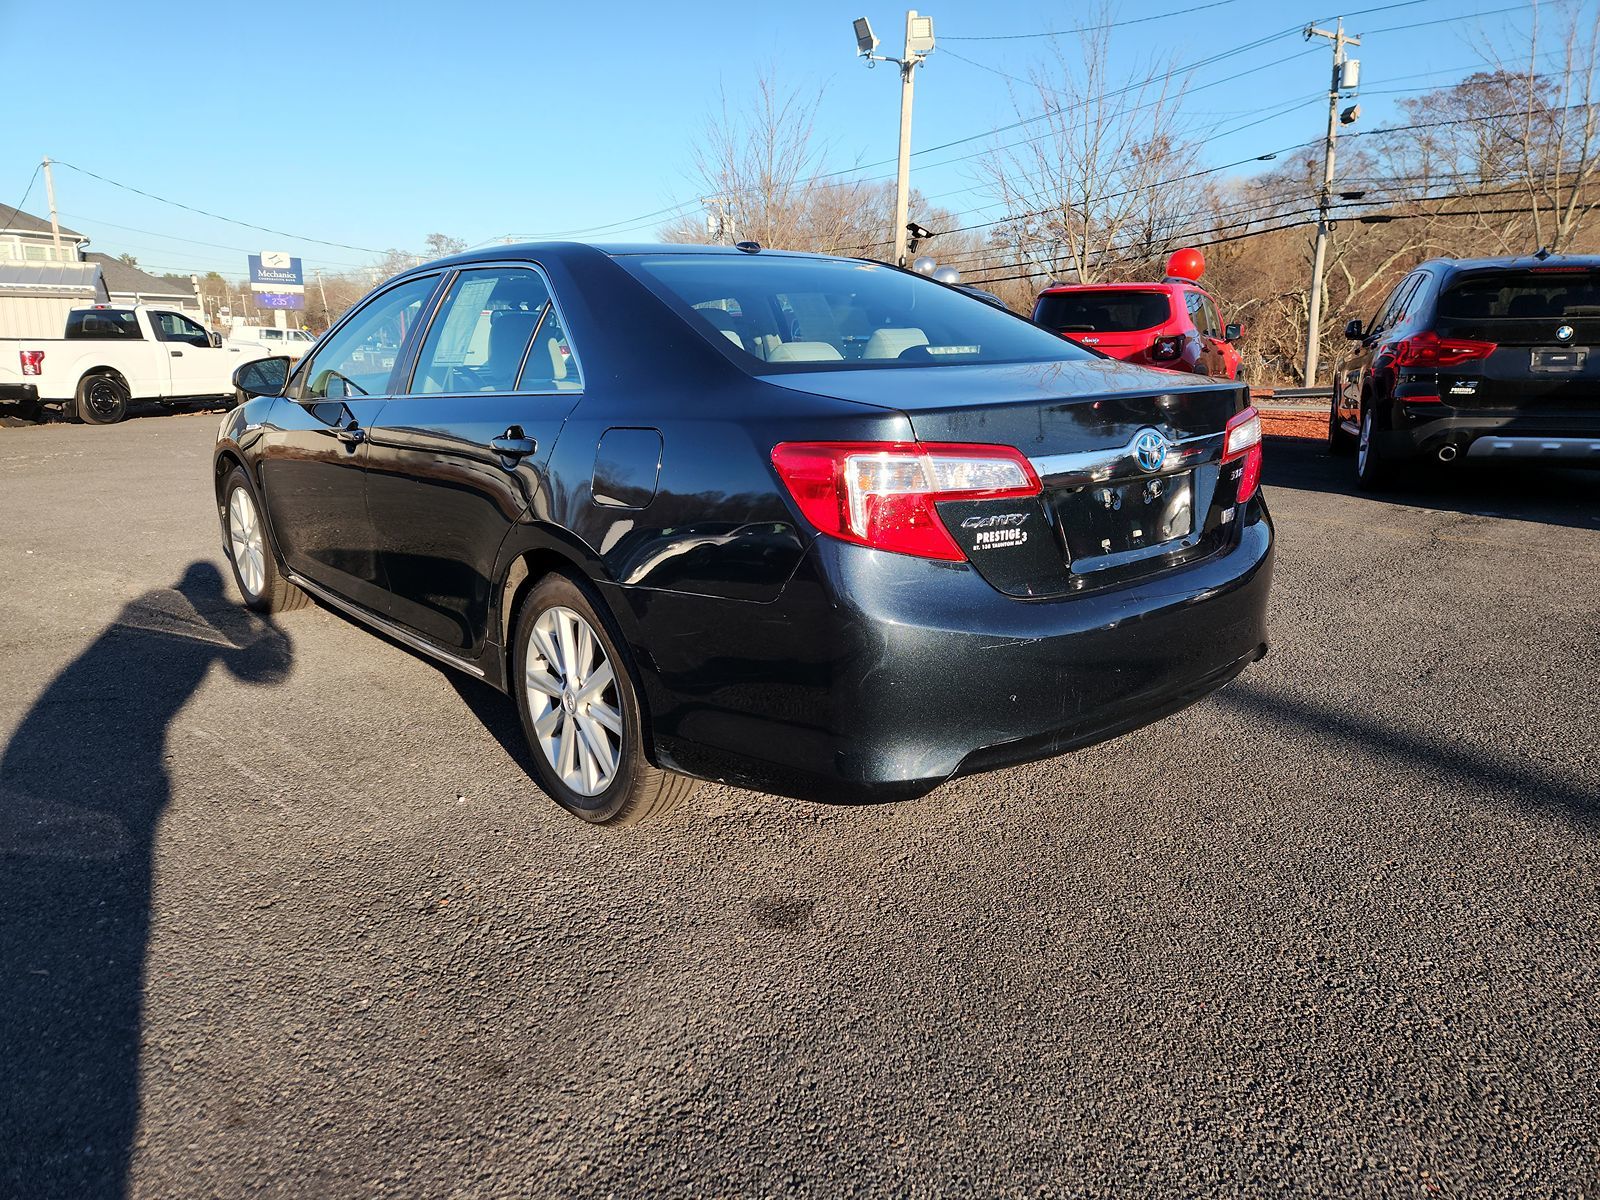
point(1325, 200)
point(902, 179)
point(919, 44)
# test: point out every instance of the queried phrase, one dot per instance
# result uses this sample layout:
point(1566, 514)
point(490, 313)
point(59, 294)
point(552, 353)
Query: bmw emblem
point(1564, 333)
point(1150, 448)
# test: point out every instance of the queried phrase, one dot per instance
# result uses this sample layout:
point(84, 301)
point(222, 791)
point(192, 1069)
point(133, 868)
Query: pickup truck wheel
point(250, 553)
point(102, 400)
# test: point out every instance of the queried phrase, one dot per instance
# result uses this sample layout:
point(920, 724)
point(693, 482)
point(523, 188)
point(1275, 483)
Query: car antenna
point(1542, 253)
point(748, 247)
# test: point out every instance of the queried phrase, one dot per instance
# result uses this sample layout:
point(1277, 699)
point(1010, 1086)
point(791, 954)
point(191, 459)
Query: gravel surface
point(282, 915)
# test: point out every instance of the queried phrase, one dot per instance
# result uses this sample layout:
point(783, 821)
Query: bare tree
point(440, 245)
point(1099, 179)
point(762, 165)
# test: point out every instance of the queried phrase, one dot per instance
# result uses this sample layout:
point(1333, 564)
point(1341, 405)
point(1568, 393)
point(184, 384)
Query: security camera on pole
point(919, 44)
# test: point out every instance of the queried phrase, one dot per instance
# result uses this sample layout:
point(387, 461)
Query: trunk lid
point(1107, 514)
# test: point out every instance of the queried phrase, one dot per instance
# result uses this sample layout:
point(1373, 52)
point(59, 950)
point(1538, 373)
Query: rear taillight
point(1166, 348)
point(1242, 440)
point(882, 494)
point(1428, 349)
point(32, 361)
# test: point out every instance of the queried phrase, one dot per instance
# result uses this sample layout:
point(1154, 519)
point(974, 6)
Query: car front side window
point(171, 327)
point(359, 357)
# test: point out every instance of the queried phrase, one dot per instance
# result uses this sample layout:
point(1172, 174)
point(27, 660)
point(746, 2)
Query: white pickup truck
point(111, 356)
point(265, 340)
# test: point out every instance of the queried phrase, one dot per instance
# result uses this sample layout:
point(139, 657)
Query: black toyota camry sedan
point(810, 525)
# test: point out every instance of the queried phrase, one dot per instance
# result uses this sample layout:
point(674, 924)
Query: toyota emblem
point(1150, 448)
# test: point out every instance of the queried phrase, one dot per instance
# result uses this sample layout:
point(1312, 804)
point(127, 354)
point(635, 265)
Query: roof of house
point(123, 279)
point(76, 279)
point(14, 220)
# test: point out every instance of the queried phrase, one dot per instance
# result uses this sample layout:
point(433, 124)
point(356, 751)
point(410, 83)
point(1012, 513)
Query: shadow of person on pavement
point(83, 783)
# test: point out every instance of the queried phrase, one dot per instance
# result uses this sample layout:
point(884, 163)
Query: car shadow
point(497, 713)
point(1516, 491)
point(83, 784)
point(1530, 784)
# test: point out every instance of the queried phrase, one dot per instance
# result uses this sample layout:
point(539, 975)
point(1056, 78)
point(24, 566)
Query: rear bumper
point(877, 676)
point(19, 393)
point(1423, 430)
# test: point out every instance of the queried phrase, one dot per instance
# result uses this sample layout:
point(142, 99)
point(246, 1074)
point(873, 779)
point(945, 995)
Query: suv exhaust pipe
point(1448, 452)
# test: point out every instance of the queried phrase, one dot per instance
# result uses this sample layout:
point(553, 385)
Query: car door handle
point(351, 435)
point(177, 353)
point(512, 444)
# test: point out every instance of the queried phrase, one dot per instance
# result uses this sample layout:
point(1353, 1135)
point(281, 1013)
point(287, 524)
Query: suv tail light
point(1242, 440)
point(882, 494)
point(1428, 349)
point(32, 361)
point(1166, 348)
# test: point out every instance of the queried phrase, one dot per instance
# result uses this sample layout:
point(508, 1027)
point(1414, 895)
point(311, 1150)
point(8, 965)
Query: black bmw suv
point(812, 525)
point(1471, 359)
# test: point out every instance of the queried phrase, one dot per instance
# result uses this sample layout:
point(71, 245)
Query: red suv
point(1172, 324)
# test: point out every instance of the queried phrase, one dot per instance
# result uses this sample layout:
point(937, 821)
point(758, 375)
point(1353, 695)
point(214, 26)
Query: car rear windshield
point(1112, 310)
point(1542, 293)
point(103, 323)
point(778, 313)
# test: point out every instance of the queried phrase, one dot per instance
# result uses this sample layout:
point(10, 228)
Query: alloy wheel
point(573, 699)
point(1364, 447)
point(246, 542)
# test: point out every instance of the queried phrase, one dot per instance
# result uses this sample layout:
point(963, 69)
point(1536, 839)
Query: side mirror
point(216, 341)
point(263, 377)
point(1232, 332)
point(1353, 330)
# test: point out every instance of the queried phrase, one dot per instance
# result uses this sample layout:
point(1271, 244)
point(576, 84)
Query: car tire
point(1372, 468)
point(563, 645)
point(250, 552)
point(1340, 443)
point(101, 400)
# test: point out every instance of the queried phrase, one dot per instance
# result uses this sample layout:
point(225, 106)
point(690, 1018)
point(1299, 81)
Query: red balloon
point(1187, 264)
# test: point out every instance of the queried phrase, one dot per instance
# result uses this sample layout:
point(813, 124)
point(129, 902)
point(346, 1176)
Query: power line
point(172, 237)
point(17, 211)
point(1012, 37)
point(216, 216)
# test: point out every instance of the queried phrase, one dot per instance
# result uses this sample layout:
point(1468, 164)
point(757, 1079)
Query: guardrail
point(1290, 396)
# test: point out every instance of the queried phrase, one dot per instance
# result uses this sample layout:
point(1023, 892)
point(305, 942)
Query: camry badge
point(1564, 334)
point(1150, 448)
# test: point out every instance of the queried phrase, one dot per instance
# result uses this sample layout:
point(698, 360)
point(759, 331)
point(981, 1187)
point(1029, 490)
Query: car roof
point(1166, 285)
point(500, 251)
point(1522, 262)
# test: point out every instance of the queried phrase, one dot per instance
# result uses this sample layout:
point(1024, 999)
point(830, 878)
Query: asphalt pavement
point(282, 915)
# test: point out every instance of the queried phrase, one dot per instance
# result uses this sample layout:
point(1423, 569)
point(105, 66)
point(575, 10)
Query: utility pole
point(326, 319)
point(719, 220)
point(50, 194)
point(919, 44)
point(1346, 74)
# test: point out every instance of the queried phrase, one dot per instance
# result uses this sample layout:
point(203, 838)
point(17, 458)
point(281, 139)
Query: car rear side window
point(480, 338)
point(776, 312)
point(102, 323)
point(358, 358)
point(1111, 310)
point(1550, 293)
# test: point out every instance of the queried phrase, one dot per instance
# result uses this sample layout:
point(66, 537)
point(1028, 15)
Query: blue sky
point(374, 125)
